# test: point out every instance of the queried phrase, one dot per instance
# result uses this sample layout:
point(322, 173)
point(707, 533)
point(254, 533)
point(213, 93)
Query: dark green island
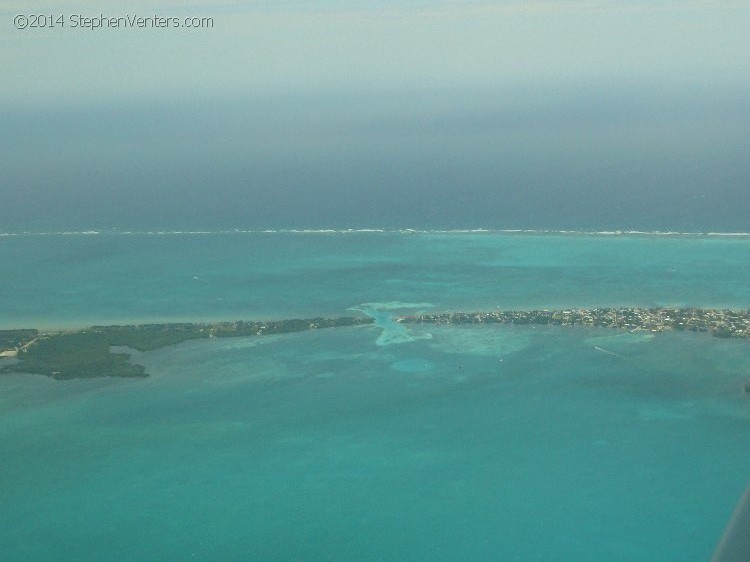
point(88, 352)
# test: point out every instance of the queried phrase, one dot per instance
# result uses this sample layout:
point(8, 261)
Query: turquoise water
point(85, 279)
point(384, 442)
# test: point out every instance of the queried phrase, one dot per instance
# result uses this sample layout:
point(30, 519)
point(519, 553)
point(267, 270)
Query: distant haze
point(580, 115)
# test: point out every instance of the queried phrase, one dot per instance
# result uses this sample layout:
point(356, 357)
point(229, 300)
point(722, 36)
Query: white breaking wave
point(489, 231)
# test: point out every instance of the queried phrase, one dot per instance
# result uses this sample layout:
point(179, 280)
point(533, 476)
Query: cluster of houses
point(720, 323)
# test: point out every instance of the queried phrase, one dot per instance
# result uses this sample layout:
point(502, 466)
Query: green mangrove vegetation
point(74, 355)
point(14, 339)
point(88, 353)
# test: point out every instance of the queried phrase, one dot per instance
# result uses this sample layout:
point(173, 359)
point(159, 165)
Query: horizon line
point(404, 230)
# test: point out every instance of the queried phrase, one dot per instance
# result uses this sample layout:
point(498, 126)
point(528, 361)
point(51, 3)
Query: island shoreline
point(87, 352)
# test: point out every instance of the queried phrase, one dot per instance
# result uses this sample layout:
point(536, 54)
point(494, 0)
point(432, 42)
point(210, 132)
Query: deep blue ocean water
point(384, 442)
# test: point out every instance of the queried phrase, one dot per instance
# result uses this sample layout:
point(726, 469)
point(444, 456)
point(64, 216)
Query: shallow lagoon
point(433, 442)
point(79, 280)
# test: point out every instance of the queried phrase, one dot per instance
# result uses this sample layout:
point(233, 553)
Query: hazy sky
point(541, 114)
point(264, 47)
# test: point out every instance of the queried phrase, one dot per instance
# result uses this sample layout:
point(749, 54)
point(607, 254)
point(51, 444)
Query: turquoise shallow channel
point(383, 442)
